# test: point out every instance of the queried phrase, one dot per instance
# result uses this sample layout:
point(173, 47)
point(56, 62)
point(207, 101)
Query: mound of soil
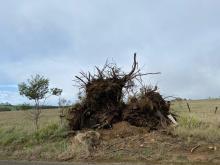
point(125, 142)
point(121, 130)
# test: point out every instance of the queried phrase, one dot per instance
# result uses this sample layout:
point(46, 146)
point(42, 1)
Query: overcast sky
point(58, 39)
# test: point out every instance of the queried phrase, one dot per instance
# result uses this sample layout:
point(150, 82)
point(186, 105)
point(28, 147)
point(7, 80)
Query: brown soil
point(125, 142)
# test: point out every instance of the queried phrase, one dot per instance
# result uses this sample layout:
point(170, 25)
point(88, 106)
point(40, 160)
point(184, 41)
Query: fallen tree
point(103, 103)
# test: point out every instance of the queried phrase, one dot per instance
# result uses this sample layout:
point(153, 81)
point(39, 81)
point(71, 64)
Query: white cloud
point(12, 97)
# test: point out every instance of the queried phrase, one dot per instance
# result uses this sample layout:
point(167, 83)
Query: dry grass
point(201, 122)
point(21, 120)
point(19, 139)
point(202, 113)
point(201, 126)
point(197, 106)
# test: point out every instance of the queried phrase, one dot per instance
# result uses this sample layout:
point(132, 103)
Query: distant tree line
point(9, 107)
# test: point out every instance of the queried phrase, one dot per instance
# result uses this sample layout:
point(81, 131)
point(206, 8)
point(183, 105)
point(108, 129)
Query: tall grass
point(13, 136)
point(200, 123)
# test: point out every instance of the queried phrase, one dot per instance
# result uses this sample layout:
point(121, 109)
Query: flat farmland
point(199, 128)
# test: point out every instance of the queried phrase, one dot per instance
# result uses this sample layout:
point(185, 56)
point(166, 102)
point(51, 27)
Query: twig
point(194, 148)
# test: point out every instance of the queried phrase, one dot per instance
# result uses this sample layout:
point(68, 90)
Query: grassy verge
point(19, 139)
point(46, 143)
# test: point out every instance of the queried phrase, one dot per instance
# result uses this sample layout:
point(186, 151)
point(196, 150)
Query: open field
point(200, 127)
point(197, 106)
point(201, 122)
point(17, 132)
point(21, 119)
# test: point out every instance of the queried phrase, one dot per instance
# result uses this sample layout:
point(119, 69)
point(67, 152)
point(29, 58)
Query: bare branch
point(100, 73)
point(134, 66)
point(81, 80)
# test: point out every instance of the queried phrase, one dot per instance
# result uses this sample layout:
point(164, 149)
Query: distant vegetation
point(5, 108)
point(8, 107)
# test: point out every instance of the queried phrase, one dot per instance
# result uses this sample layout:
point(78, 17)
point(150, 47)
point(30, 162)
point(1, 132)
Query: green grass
point(18, 133)
point(13, 136)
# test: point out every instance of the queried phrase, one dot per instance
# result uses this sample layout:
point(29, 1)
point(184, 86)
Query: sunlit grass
point(21, 120)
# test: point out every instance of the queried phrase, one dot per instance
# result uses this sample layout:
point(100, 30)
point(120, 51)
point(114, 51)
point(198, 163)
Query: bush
point(24, 107)
point(3, 109)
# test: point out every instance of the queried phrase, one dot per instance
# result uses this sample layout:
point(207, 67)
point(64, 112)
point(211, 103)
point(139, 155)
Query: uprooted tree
point(103, 102)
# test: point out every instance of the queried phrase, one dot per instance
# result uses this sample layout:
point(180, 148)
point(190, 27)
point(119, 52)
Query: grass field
point(20, 140)
point(201, 121)
point(21, 119)
point(18, 133)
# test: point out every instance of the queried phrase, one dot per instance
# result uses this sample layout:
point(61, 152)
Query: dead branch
point(135, 72)
point(81, 80)
point(194, 148)
point(134, 67)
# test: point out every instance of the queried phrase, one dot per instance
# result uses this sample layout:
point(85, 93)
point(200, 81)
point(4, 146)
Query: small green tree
point(37, 88)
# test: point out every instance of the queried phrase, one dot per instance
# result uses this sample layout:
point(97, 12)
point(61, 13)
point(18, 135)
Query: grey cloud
point(59, 39)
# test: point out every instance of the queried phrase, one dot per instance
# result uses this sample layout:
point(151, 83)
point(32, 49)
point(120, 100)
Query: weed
point(147, 152)
point(192, 126)
point(191, 122)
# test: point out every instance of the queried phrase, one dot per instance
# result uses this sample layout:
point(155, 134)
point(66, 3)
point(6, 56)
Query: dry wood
point(194, 148)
